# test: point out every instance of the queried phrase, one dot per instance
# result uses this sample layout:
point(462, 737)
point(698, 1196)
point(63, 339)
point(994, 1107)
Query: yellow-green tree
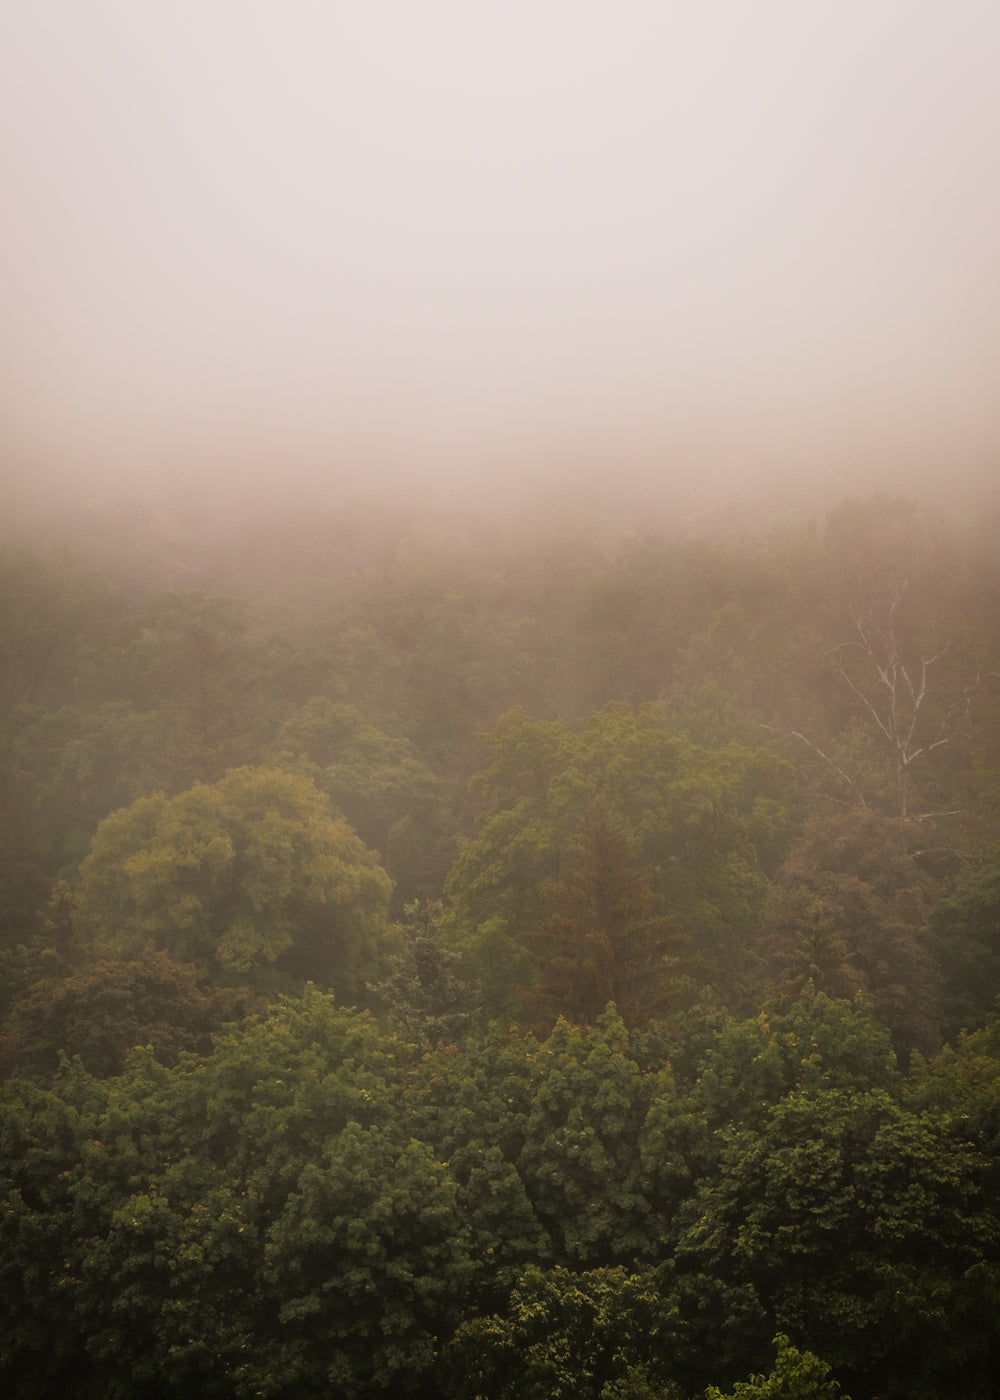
point(245, 875)
point(797, 1375)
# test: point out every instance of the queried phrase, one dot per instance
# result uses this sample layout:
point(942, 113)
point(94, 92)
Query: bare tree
point(894, 574)
point(893, 687)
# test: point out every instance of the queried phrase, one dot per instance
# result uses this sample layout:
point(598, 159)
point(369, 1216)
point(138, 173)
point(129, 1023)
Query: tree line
point(318, 1206)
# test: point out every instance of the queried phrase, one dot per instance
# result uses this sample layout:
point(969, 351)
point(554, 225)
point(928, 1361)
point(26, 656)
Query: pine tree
point(602, 943)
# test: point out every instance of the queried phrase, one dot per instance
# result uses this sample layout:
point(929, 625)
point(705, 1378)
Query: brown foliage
point(100, 1013)
point(602, 943)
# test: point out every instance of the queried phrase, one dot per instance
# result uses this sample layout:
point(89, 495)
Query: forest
point(532, 959)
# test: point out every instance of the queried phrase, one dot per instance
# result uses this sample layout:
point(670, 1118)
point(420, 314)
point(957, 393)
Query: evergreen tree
point(602, 943)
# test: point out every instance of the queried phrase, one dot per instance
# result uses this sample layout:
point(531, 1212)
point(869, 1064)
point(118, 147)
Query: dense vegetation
point(520, 963)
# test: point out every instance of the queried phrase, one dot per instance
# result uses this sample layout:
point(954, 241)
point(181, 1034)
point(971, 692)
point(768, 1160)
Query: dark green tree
point(603, 1334)
point(818, 1043)
point(424, 988)
point(965, 941)
point(580, 1158)
point(100, 1012)
point(859, 1224)
point(258, 1223)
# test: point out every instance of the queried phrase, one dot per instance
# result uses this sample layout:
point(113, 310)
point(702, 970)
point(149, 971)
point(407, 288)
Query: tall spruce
point(602, 943)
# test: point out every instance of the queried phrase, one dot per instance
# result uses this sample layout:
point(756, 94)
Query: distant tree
point(379, 782)
point(23, 882)
point(902, 652)
point(81, 762)
point(61, 624)
point(965, 940)
point(847, 913)
point(62, 628)
point(909, 712)
point(195, 664)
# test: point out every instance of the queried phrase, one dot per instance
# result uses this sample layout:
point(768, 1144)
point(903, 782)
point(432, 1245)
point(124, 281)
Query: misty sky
point(722, 232)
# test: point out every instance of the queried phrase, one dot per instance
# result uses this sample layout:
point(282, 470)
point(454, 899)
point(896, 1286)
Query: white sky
point(745, 230)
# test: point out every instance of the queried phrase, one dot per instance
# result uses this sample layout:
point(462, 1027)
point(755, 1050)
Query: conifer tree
point(602, 942)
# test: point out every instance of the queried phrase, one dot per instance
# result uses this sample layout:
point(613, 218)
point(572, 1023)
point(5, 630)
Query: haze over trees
point(499, 822)
point(511, 962)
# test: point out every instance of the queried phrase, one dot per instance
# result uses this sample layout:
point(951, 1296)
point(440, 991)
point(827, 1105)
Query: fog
point(710, 243)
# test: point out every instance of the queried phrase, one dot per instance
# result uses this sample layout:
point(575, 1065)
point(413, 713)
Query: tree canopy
point(237, 877)
point(524, 962)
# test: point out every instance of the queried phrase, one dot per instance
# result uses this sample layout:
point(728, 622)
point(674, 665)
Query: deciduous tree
point(847, 913)
point(101, 1012)
point(249, 874)
point(965, 941)
point(424, 987)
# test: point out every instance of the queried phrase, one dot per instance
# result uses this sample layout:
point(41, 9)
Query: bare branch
point(844, 777)
point(868, 706)
point(908, 758)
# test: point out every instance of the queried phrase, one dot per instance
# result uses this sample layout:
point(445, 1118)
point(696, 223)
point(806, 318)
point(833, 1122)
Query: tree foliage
point(424, 988)
point(708, 824)
point(380, 783)
point(100, 1012)
point(848, 913)
point(310, 1208)
point(728, 846)
point(597, 1335)
point(796, 1376)
point(601, 942)
point(249, 873)
point(965, 941)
